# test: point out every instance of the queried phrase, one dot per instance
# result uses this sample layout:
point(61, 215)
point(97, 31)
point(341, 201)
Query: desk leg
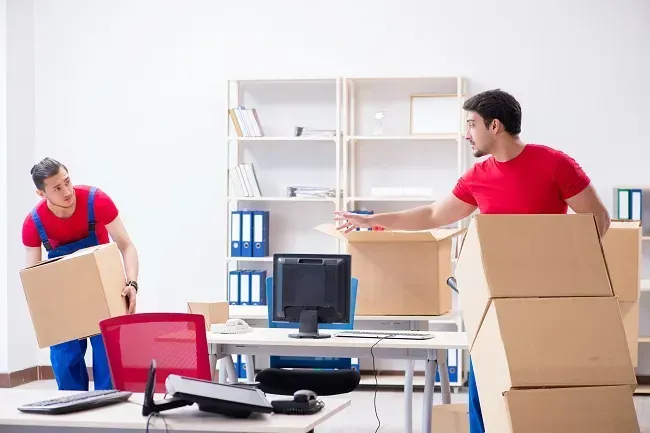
point(213, 367)
point(427, 400)
point(222, 373)
point(250, 368)
point(408, 396)
point(230, 369)
point(441, 356)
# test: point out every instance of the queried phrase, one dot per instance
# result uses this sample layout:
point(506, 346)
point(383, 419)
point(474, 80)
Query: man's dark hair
point(43, 169)
point(497, 104)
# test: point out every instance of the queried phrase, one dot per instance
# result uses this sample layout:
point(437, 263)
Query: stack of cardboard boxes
point(544, 327)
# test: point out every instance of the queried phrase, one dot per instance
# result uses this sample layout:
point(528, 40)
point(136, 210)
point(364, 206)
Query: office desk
point(276, 341)
point(128, 417)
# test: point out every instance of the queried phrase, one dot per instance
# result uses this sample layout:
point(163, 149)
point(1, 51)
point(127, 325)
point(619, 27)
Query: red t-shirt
point(537, 181)
point(65, 230)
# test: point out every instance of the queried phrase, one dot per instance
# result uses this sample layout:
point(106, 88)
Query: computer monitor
point(310, 289)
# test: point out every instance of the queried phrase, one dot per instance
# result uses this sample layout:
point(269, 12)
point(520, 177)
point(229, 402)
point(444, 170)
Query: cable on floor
point(374, 369)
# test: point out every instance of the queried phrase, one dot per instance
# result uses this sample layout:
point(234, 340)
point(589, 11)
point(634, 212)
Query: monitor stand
point(308, 327)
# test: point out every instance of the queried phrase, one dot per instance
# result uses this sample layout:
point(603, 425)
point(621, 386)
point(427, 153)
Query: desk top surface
point(129, 416)
point(280, 337)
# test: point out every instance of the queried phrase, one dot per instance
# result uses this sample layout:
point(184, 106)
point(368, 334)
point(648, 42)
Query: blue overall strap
point(41, 230)
point(91, 209)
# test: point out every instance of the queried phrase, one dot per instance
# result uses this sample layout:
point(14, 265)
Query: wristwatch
point(133, 284)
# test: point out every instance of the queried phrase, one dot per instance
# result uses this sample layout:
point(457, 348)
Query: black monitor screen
point(318, 282)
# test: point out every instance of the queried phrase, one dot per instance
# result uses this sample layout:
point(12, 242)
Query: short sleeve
point(462, 190)
point(105, 209)
point(570, 178)
point(30, 234)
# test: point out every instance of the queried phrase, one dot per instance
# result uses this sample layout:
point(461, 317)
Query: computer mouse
point(304, 395)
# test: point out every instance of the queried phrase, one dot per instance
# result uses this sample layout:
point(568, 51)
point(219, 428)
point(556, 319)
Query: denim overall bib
point(475, 414)
point(67, 358)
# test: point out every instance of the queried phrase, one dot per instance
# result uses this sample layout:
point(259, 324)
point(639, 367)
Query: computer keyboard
point(76, 402)
point(387, 335)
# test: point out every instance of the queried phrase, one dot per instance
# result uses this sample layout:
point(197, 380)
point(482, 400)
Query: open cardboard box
point(68, 296)
point(212, 312)
point(400, 272)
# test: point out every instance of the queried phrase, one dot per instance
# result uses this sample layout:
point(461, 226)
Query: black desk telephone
point(304, 402)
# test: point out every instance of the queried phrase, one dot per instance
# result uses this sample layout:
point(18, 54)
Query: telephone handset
point(232, 326)
point(304, 402)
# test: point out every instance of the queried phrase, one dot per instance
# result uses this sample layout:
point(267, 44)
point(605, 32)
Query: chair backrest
point(303, 361)
point(177, 341)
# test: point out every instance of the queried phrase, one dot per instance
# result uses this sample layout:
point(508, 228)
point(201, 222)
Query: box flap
point(369, 236)
point(598, 409)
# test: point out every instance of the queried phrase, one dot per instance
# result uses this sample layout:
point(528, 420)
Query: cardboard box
point(622, 246)
point(450, 418)
point(68, 296)
point(539, 342)
point(630, 313)
point(528, 256)
point(599, 409)
point(400, 272)
point(213, 312)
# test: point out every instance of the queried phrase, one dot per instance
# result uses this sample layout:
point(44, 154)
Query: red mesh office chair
point(177, 341)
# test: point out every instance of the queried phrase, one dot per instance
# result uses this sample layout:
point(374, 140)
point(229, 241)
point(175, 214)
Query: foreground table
point(128, 417)
point(276, 341)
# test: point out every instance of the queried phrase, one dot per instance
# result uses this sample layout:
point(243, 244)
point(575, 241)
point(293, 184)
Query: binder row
point(629, 204)
point(247, 287)
point(249, 233)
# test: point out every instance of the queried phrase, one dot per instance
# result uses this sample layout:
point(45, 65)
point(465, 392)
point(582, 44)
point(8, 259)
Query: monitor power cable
point(374, 370)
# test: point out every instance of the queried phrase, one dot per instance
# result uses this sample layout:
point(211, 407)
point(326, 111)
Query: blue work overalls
point(475, 414)
point(68, 358)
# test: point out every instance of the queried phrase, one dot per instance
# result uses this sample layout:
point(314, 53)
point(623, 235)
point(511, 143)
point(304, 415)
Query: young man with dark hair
point(517, 178)
point(67, 219)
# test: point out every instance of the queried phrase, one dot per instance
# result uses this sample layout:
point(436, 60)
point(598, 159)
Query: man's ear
point(40, 193)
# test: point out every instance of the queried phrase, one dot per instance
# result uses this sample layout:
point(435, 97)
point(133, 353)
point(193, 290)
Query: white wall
point(131, 95)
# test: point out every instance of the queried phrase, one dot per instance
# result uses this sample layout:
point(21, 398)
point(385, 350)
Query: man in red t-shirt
point(517, 178)
point(67, 219)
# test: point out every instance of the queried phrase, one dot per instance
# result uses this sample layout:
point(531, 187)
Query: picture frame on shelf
point(432, 113)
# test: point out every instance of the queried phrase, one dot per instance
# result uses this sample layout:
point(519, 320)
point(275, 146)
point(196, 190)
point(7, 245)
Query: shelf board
point(645, 285)
point(642, 389)
point(283, 199)
point(450, 136)
point(398, 198)
point(249, 259)
point(287, 138)
point(260, 312)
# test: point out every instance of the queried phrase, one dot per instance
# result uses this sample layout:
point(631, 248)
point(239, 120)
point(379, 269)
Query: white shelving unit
point(353, 161)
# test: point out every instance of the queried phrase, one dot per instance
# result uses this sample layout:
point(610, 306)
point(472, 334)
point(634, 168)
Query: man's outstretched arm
point(446, 211)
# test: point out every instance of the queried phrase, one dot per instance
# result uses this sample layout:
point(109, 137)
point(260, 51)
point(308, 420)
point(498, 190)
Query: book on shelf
point(246, 122)
point(244, 181)
point(310, 192)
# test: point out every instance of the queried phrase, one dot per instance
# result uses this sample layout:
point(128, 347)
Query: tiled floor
point(360, 416)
